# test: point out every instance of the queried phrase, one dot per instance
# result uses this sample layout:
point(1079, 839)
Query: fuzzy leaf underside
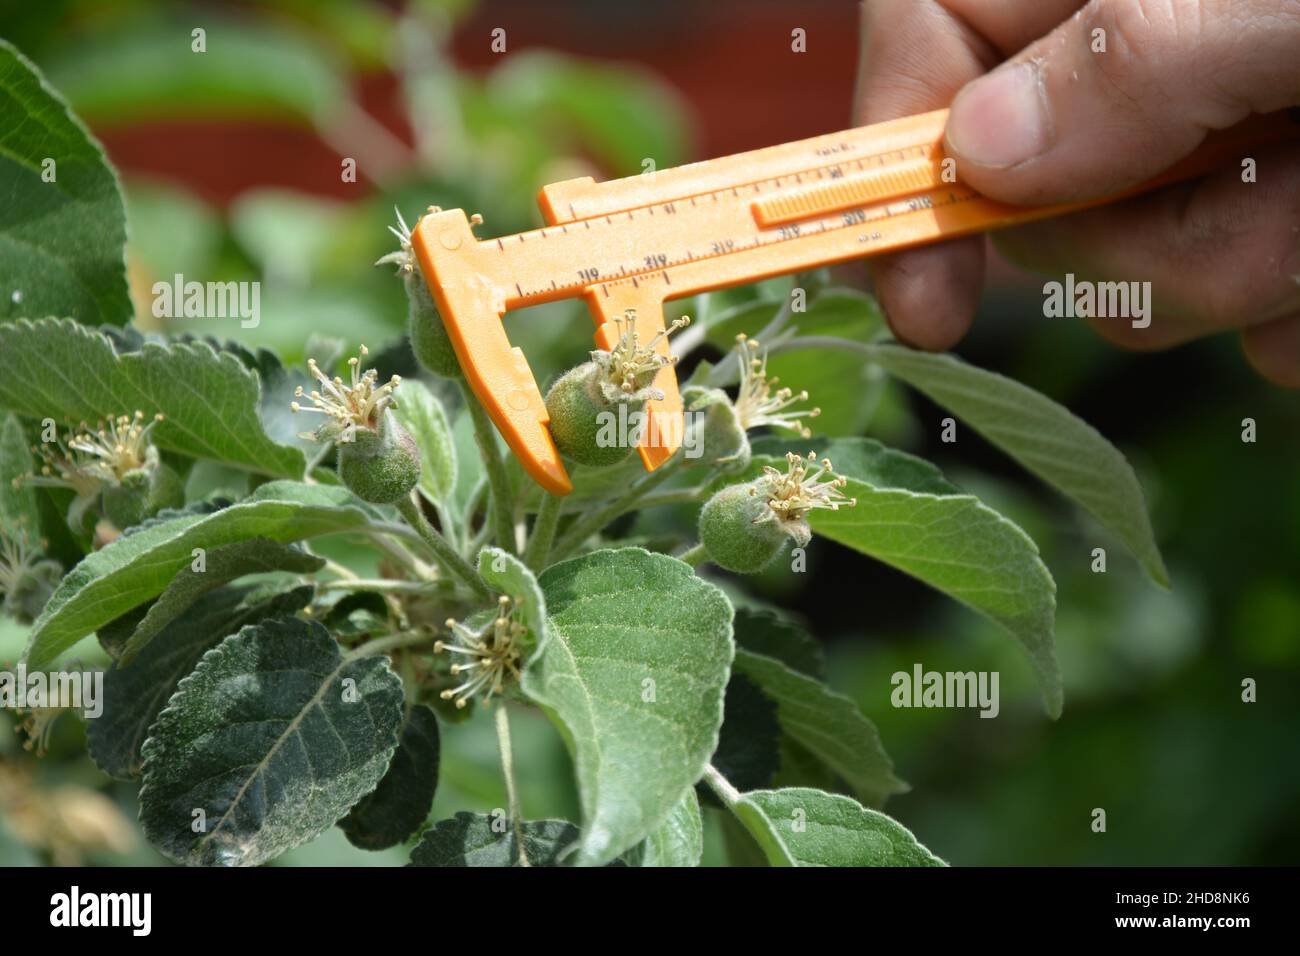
point(401, 802)
point(221, 566)
point(633, 674)
point(426, 420)
point(273, 738)
point(134, 695)
point(474, 839)
point(507, 574)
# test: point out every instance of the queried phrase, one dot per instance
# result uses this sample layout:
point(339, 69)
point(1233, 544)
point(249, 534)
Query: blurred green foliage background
point(231, 167)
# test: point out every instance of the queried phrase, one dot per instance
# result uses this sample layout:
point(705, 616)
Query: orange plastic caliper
point(631, 244)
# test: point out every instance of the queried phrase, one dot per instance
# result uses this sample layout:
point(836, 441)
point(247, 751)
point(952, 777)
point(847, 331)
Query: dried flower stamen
point(359, 403)
point(628, 370)
point(758, 402)
point(806, 485)
point(490, 657)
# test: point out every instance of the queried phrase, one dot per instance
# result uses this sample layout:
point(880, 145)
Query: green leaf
point(826, 723)
point(957, 544)
point(1046, 438)
point(287, 233)
point(18, 508)
point(145, 68)
point(866, 460)
point(748, 752)
point(401, 802)
point(615, 114)
point(801, 827)
point(425, 419)
point(209, 400)
point(505, 573)
point(633, 675)
point(763, 632)
point(747, 318)
point(134, 695)
point(837, 381)
point(172, 230)
point(220, 566)
point(273, 737)
point(678, 841)
point(62, 242)
point(473, 839)
point(138, 566)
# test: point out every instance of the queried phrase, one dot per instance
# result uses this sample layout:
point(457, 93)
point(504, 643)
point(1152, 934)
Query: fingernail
point(1000, 119)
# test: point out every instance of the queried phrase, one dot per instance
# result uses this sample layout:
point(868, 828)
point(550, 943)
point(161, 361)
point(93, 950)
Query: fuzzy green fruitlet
point(143, 492)
point(113, 469)
point(429, 339)
point(425, 329)
point(380, 466)
point(596, 409)
point(734, 533)
point(378, 460)
point(722, 440)
point(580, 417)
point(744, 527)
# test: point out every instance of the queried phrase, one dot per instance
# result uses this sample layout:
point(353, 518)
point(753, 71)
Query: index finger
point(914, 57)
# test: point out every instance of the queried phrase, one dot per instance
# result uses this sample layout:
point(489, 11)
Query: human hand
point(1038, 117)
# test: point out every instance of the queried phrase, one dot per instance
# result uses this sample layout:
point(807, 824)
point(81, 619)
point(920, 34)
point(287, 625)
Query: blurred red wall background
point(744, 85)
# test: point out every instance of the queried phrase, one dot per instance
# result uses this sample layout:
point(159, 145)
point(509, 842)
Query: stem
point(719, 784)
point(377, 529)
point(508, 768)
point(447, 556)
point(475, 501)
point(673, 496)
point(381, 585)
point(498, 481)
point(403, 556)
point(450, 529)
point(694, 556)
point(594, 521)
point(539, 542)
point(341, 570)
point(314, 462)
point(381, 645)
point(727, 371)
point(823, 342)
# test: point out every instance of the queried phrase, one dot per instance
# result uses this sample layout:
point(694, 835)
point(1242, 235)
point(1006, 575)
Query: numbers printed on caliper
point(632, 244)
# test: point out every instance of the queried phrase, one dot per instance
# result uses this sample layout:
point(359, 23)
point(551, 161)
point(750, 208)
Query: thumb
point(1120, 92)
